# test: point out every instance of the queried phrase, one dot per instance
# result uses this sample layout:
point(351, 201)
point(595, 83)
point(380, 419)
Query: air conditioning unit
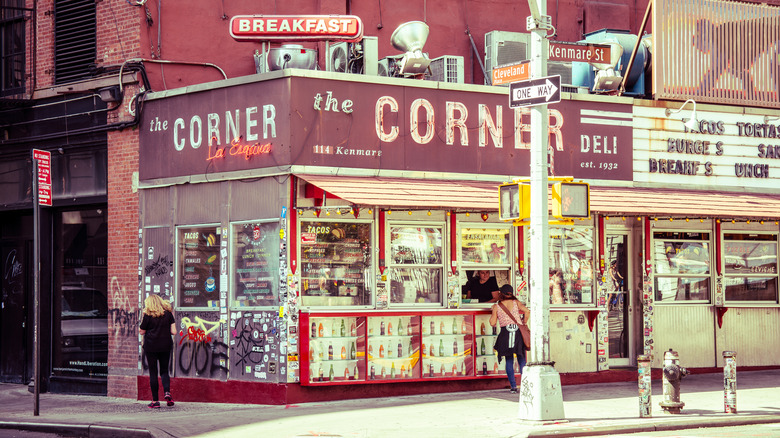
point(446, 68)
point(390, 66)
point(562, 68)
point(503, 48)
point(359, 57)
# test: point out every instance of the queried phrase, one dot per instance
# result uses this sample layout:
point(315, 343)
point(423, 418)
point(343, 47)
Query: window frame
point(710, 244)
point(219, 230)
point(369, 271)
point(751, 275)
point(593, 267)
point(273, 270)
point(394, 267)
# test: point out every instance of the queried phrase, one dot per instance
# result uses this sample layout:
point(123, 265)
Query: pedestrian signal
point(514, 201)
point(570, 200)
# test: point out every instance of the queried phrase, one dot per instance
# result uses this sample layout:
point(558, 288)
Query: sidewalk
point(592, 409)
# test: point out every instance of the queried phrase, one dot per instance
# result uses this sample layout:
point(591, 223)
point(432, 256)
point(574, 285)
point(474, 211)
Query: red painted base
point(236, 391)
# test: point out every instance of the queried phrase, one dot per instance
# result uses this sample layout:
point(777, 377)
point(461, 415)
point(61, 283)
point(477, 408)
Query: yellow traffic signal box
point(570, 200)
point(514, 201)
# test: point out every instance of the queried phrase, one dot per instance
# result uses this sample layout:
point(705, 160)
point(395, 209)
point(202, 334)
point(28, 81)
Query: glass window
point(255, 264)
point(483, 249)
point(12, 53)
point(571, 265)
point(484, 246)
point(750, 267)
point(199, 266)
point(682, 266)
point(335, 264)
point(416, 265)
point(80, 347)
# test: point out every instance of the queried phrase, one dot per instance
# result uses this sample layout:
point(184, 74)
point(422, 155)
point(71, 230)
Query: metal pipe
point(622, 88)
point(489, 79)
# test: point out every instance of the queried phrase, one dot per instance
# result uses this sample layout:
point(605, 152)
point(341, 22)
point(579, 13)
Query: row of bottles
point(387, 329)
point(440, 352)
point(388, 351)
point(443, 370)
point(317, 352)
point(319, 376)
point(318, 330)
point(455, 329)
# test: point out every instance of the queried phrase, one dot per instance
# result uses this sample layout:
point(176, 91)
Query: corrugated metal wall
point(754, 333)
point(688, 330)
point(261, 199)
point(573, 346)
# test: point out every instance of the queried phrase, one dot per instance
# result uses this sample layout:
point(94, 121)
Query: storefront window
point(416, 265)
point(682, 266)
point(750, 267)
point(485, 257)
point(335, 263)
point(199, 266)
point(571, 265)
point(80, 347)
point(255, 264)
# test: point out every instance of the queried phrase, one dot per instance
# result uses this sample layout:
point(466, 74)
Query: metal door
point(14, 309)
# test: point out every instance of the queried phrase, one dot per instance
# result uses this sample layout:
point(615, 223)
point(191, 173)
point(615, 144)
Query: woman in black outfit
point(157, 327)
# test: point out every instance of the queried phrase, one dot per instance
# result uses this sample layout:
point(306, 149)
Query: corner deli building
point(321, 227)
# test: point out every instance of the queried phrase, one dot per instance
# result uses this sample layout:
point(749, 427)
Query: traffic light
point(571, 200)
point(514, 201)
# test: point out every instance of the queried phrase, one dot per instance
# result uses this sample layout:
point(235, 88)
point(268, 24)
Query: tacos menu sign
point(322, 122)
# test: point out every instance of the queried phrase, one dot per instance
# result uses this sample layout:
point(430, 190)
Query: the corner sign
point(537, 91)
point(296, 27)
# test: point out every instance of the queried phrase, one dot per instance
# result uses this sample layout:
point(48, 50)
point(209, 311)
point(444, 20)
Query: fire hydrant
point(673, 373)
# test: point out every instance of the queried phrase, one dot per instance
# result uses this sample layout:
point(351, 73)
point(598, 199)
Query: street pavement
point(590, 410)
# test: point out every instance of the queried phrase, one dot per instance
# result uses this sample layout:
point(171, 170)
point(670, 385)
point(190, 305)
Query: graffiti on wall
point(199, 347)
point(255, 347)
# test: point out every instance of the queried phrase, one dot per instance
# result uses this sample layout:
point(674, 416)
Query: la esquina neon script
point(238, 148)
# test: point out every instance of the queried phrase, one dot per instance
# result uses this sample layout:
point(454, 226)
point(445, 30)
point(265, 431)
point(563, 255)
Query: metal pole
point(730, 382)
point(645, 385)
point(36, 293)
point(540, 393)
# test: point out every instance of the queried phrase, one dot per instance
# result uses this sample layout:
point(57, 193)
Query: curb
point(79, 430)
point(653, 426)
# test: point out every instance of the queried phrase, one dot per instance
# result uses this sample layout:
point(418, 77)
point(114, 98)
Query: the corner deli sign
point(296, 27)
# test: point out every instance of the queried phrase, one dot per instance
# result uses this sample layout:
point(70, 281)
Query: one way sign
point(536, 91)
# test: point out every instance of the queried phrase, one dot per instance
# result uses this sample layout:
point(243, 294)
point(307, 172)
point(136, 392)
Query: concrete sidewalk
point(592, 409)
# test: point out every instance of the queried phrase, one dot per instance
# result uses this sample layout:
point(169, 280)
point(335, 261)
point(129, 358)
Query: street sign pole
point(36, 293)
point(541, 398)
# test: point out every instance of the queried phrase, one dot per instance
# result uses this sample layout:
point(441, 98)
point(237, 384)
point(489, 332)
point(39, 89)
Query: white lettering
point(379, 119)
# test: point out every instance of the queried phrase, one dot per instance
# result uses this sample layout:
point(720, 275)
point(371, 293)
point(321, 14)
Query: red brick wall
point(118, 36)
point(123, 259)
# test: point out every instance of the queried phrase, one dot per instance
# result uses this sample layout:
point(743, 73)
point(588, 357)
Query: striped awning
point(483, 196)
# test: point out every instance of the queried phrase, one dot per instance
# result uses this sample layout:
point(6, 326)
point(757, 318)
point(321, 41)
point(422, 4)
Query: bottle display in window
point(395, 349)
point(334, 353)
point(486, 337)
point(449, 349)
point(335, 260)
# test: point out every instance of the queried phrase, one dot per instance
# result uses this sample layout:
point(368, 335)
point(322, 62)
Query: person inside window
point(483, 287)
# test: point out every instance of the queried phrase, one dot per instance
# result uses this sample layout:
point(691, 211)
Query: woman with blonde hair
point(157, 327)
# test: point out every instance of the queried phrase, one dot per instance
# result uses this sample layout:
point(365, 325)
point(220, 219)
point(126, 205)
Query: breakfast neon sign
point(296, 27)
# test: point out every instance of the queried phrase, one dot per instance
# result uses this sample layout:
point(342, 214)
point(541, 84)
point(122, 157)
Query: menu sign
point(485, 245)
point(256, 261)
point(199, 266)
